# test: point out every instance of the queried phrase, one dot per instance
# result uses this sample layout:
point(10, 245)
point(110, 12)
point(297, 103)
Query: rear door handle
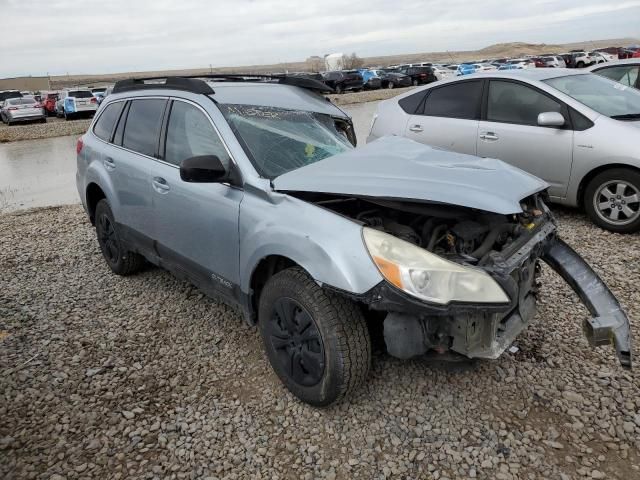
point(416, 128)
point(109, 164)
point(489, 136)
point(160, 185)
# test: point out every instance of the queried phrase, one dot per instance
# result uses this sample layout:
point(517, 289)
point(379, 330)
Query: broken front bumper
point(609, 323)
point(412, 327)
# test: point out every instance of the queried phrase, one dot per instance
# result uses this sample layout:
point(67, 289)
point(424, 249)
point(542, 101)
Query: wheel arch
point(93, 195)
point(596, 171)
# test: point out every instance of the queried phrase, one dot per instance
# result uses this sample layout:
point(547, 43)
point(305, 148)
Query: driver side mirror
point(203, 169)
point(550, 119)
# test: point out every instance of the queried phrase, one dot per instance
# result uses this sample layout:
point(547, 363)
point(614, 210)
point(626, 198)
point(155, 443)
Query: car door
point(448, 117)
point(196, 224)
point(510, 132)
point(130, 167)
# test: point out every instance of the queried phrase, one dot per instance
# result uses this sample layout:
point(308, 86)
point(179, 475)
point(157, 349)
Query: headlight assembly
point(428, 276)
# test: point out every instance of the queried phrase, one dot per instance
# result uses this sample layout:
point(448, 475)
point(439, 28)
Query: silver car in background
point(22, 109)
point(576, 130)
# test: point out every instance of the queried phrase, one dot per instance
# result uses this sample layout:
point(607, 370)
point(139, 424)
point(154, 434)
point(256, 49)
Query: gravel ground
point(57, 127)
point(143, 377)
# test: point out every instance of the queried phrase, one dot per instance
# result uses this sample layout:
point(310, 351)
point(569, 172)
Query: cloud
point(59, 36)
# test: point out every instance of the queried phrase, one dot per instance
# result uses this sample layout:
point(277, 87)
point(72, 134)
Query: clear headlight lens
point(428, 276)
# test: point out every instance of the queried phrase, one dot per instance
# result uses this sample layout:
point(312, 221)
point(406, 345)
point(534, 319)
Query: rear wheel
point(390, 85)
point(612, 200)
point(317, 342)
point(339, 89)
point(415, 82)
point(580, 65)
point(120, 260)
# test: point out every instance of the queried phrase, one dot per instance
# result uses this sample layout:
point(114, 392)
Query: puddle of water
point(38, 173)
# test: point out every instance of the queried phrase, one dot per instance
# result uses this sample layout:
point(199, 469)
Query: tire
point(335, 340)
point(67, 116)
point(120, 260)
point(618, 188)
point(415, 82)
point(43, 120)
point(580, 65)
point(339, 89)
point(390, 85)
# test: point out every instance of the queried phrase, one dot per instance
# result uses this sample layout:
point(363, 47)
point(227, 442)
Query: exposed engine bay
point(456, 233)
point(508, 247)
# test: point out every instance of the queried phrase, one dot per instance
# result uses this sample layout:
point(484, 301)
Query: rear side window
point(143, 126)
point(107, 121)
point(511, 102)
point(80, 94)
point(458, 100)
point(190, 134)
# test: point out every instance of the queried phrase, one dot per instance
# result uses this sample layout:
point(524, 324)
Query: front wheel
point(317, 342)
point(390, 85)
point(612, 200)
point(415, 82)
point(120, 260)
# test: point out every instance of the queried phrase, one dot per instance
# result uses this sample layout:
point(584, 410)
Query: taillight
point(79, 145)
point(93, 100)
point(12, 108)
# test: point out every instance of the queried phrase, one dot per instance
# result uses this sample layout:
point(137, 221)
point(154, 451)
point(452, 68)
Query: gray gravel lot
point(143, 377)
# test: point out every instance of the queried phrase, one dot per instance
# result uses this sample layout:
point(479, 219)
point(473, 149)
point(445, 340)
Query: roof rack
point(197, 83)
point(175, 83)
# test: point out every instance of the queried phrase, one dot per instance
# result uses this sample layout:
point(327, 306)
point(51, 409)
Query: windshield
point(601, 94)
point(278, 141)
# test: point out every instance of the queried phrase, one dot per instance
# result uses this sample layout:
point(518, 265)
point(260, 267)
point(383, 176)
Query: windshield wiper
point(626, 116)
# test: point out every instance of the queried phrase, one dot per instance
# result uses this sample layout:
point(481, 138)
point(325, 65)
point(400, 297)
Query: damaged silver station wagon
point(251, 188)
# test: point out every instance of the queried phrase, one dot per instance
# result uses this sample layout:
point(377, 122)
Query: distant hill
point(512, 49)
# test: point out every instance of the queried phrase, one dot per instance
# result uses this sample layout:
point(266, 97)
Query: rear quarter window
point(457, 100)
point(107, 121)
point(411, 103)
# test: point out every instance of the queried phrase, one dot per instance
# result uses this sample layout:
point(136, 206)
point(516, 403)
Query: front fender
point(328, 246)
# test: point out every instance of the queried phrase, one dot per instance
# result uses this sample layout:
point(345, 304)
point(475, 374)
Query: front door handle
point(109, 164)
point(416, 128)
point(160, 185)
point(489, 136)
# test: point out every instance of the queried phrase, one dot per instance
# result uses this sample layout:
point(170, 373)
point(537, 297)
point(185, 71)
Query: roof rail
point(198, 84)
point(298, 80)
point(175, 83)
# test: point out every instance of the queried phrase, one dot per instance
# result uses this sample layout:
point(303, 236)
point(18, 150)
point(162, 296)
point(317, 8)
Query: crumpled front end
point(509, 248)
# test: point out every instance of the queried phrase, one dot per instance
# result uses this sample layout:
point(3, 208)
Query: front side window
point(190, 134)
point(600, 94)
point(143, 126)
point(107, 121)
point(457, 100)
point(278, 140)
point(511, 102)
point(627, 74)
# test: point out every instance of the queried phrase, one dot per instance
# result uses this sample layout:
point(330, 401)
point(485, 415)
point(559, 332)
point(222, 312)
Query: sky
point(57, 37)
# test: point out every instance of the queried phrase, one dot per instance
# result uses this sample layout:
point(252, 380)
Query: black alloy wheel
point(297, 342)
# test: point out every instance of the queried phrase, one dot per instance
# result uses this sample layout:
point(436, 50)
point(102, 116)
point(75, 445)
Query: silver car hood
point(399, 168)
